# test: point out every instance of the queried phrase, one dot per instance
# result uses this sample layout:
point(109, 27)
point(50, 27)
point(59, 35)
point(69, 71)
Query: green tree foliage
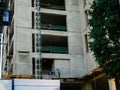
point(105, 35)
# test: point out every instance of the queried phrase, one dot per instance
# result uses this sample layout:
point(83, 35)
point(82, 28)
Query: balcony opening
point(54, 44)
point(32, 3)
point(4, 3)
point(33, 66)
point(33, 42)
point(53, 22)
point(53, 4)
point(47, 65)
point(33, 21)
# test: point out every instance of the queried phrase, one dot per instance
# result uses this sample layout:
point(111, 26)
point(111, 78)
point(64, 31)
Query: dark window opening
point(47, 65)
point(96, 84)
point(53, 4)
point(32, 3)
point(33, 66)
point(33, 26)
point(33, 43)
point(53, 22)
point(86, 43)
point(54, 44)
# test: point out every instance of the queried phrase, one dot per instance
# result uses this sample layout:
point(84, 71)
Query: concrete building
point(56, 38)
point(61, 33)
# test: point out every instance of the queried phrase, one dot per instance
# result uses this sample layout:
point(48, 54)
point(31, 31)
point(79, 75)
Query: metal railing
point(54, 27)
point(54, 49)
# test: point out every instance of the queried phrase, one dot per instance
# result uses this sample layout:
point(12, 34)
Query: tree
point(105, 35)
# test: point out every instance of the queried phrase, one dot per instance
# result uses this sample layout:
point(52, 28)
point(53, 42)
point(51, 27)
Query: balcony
point(53, 22)
point(54, 27)
point(54, 44)
point(53, 4)
point(54, 49)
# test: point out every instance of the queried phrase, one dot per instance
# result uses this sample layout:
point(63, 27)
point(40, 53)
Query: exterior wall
point(22, 41)
point(64, 66)
point(89, 60)
point(23, 13)
point(75, 38)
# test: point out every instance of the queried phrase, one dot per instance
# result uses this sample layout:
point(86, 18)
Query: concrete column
point(87, 86)
point(112, 85)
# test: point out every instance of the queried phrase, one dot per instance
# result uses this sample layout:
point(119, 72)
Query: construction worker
point(51, 73)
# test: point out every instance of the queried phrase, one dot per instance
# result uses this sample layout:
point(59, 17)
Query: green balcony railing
point(54, 27)
point(54, 49)
point(46, 49)
point(57, 27)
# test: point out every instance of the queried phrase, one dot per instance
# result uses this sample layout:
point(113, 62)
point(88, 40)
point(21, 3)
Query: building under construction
point(51, 35)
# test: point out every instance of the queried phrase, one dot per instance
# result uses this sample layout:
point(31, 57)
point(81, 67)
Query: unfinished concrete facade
point(63, 39)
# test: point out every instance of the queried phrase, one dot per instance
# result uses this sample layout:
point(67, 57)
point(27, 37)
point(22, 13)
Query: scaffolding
point(38, 61)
